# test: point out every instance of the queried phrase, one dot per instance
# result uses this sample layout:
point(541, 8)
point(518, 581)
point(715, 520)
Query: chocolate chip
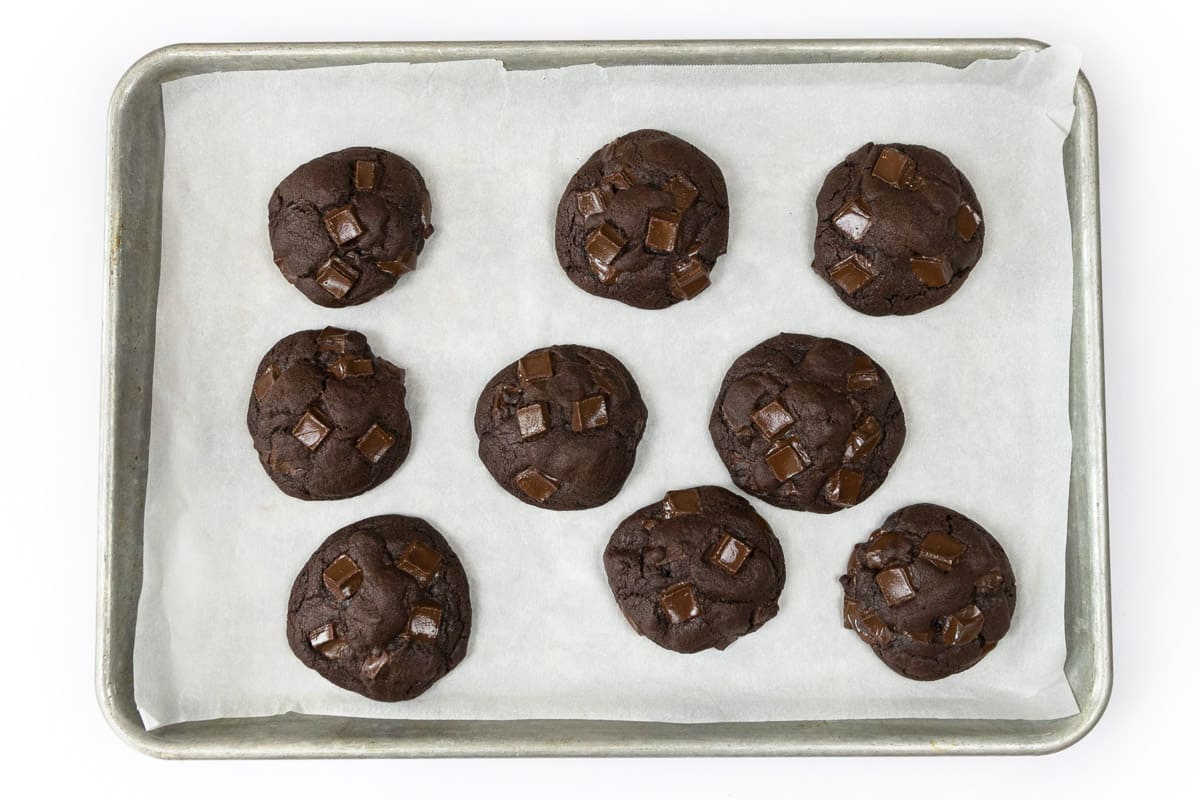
point(862, 375)
point(931, 271)
point(843, 487)
point(966, 222)
point(336, 277)
point(375, 443)
point(850, 274)
point(853, 218)
point(606, 274)
point(400, 267)
point(989, 582)
point(863, 439)
point(941, 550)
point(894, 168)
point(924, 637)
point(962, 626)
point(867, 624)
point(729, 554)
point(351, 367)
point(588, 414)
point(264, 382)
point(325, 641)
point(420, 561)
point(374, 664)
point(311, 430)
point(604, 244)
point(663, 231)
point(788, 460)
point(343, 225)
point(884, 550)
point(343, 577)
point(896, 586)
point(679, 603)
point(689, 279)
point(685, 501)
point(535, 367)
point(531, 420)
point(617, 180)
point(772, 419)
point(424, 620)
point(536, 485)
point(333, 340)
point(682, 191)
point(590, 202)
point(365, 174)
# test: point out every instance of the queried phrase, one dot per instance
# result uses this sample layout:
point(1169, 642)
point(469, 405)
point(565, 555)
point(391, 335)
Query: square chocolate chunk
point(332, 340)
point(963, 626)
point(772, 419)
point(788, 460)
point(941, 550)
point(863, 439)
point(683, 191)
point(264, 382)
point(336, 277)
point(536, 485)
point(351, 367)
point(535, 367)
point(853, 218)
point(342, 578)
point(662, 231)
point(895, 585)
point(531, 420)
point(862, 375)
point(399, 267)
point(679, 603)
point(590, 202)
point(311, 430)
point(420, 561)
point(325, 640)
point(843, 487)
point(729, 554)
point(604, 244)
point(850, 274)
point(375, 443)
point(343, 225)
point(894, 168)
point(966, 222)
point(588, 414)
point(869, 626)
point(365, 174)
point(684, 501)
point(604, 272)
point(424, 621)
point(374, 664)
point(618, 180)
point(689, 279)
point(931, 271)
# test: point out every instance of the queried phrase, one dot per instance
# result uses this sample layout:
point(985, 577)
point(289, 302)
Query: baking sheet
point(983, 379)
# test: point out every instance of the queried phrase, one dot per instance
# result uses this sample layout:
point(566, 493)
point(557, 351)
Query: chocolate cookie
point(807, 423)
point(327, 416)
point(346, 225)
point(382, 608)
point(643, 221)
point(559, 428)
point(898, 229)
point(696, 570)
point(930, 591)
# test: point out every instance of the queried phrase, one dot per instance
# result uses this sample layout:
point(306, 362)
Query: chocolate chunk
point(420, 561)
point(885, 550)
point(966, 222)
point(866, 623)
point(862, 375)
point(400, 267)
point(604, 244)
point(685, 501)
point(843, 487)
point(989, 582)
point(336, 277)
point(729, 554)
point(772, 419)
point(375, 443)
point(604, 273)
point(931, 271)
point(531, 420)
point(894, 168)
point(423, 622)
point(679, 603)
point(325, 640)
point(264, 382)
point(863, 439)
point(683, 191)
point(924, 637)
point(962, 626)
point(343, 225)
point(333, 340)
point(311, 430)
point(343, 577)
point(853, 218)
point(536, 485)
point(663, 231)
point(590, 202)
point(374, 664)
point(351, 367)
point(895, 585)
point(689, 279)
point(617, 180)
point(365, 173)
point(535, 367)
point(941, 550)
point(588, 414)
point(850, 274)
point(788, 460)
point(426, 216)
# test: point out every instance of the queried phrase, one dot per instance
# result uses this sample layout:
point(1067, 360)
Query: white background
point(60, 64)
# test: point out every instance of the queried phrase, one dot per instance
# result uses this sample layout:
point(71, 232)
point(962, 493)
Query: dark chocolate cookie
point(930, 591)
point(346, 225)
point(696, 570)
point(807, 423)
point(382, 608)
point(559, 428)
point(327, 416)
point(898, 229)
point(643, 221)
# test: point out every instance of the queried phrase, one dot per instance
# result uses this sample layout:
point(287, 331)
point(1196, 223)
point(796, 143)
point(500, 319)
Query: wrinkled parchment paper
point(983, 379)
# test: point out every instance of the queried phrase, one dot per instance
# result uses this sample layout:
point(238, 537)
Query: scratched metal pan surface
point(134, 194)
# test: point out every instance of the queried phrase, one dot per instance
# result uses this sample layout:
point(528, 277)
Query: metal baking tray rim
point(133, 202)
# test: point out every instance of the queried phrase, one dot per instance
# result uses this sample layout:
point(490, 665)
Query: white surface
point(223, 545)
point(1140, 58)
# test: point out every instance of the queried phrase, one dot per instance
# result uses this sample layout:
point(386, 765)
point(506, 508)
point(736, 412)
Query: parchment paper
point(983, 379)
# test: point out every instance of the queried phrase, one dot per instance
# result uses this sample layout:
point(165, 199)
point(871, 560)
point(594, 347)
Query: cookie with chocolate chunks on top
point(381, 608)
point(559, 427)
point(695, 570)
point(899, 229)
point(643, 221)
point(807, 423)
point(327, 416)
point(930, 591)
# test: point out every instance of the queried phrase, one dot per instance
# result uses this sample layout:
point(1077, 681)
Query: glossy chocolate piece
point(343, 577)
point(264, 382)
point(424, 622)
point(989, 582)
point(853, 218)
point(933, 271)
point(375, 443)
point(863, 439)
point(772, 419)
point(662, 232)
point(866, 623)
point(894, 168)
point(531, 420)
point(895, 585)
point(311, 430)
point(689, 279)
point(678, 602)
point(787, 460)
point(420, 561)
point(843, 487)
point(941, 550)
point(400, 267)
point(850, 274)
point(966, 222)
point(365, 175)
point(683, 191)
point(343, 225)
point(617, 180)
point(333, 340)
point(962, 626)
point(924, 637)
point(729, 554)
point(685, 501)
point(325, 641)
point(588, 414)
point(535, 367)
point(605, 273)
point(884, 550)
point(862, 375)
point(536, 485)
point(590, 202)
point(351, 367)
point(336, 277)
point(604, 244)
point(374, 664)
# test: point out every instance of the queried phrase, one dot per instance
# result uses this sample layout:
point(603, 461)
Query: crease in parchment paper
point(983, 379)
